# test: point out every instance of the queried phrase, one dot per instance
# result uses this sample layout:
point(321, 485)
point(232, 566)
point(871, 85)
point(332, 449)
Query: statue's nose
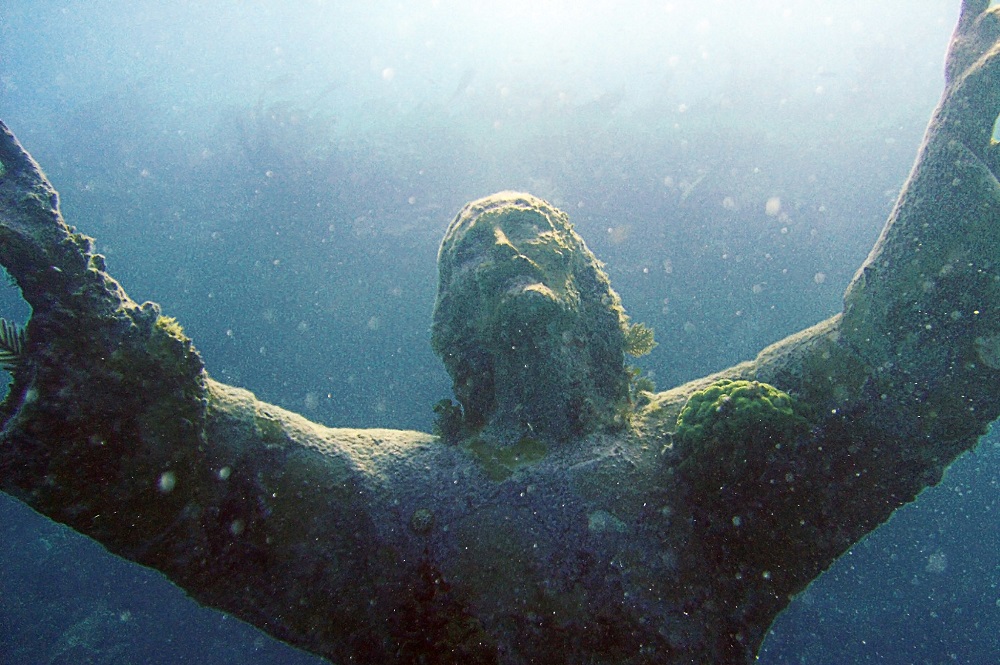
point(500, 238)
point(502, 246)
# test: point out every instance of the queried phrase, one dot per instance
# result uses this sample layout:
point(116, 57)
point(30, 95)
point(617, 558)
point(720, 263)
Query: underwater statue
point(561, 516)
point(527, 324)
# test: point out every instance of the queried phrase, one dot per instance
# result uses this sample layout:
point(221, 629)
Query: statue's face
point(525, 320)
point(517, 265)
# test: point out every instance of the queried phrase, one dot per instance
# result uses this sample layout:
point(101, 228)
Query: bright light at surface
point(589, 48)
point(449, 53)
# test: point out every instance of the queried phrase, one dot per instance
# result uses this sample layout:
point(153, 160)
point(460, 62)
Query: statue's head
point(526, 322)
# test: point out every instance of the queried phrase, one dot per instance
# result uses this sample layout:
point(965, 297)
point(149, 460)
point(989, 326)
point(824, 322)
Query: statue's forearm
point(112, 427)
point(894, 388)
point(921, 315)
point(101, 380)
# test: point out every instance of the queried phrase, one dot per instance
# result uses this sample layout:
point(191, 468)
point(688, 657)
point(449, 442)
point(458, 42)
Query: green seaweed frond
point(638, 339)
point(12, 342)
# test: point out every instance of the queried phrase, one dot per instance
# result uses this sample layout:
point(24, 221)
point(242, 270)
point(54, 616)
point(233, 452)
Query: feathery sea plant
point(12, 342)
point(638, 339)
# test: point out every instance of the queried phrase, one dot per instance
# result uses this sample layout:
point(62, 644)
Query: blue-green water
point(279, 178)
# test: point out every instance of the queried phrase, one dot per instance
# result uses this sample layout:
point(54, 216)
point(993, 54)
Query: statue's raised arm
point(561, 516)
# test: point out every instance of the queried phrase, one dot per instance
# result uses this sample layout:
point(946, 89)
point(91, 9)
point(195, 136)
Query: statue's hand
point(971, 101)
point(82, 321)
point(49, 261)
point(922, 312)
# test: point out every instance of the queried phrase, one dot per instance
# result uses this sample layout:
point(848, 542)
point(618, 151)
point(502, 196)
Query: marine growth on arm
point(558, 518)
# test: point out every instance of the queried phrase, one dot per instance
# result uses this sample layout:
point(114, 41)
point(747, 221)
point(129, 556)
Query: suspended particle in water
point(167, 481)
point(937, 562)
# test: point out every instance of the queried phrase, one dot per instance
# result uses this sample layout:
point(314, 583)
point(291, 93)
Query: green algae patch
point(500, 462)
point(739, 410)
point(171, 327)
point(747, 456)
point(730, 431)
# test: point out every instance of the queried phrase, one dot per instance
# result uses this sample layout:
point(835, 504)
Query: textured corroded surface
point(378, 546)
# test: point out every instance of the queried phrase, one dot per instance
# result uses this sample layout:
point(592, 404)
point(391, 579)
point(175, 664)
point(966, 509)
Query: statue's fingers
point(22, 182)
point(989, 25)
point(977, 31)
point(48, 260)
point(971, 10)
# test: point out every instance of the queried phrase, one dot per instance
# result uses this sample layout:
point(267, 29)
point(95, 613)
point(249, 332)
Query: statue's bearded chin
point(530, 310)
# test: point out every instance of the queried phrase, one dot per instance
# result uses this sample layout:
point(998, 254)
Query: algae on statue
point(527, 324)
point(550, 529)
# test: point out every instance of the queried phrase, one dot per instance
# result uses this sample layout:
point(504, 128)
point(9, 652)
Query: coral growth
point(744, 410)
